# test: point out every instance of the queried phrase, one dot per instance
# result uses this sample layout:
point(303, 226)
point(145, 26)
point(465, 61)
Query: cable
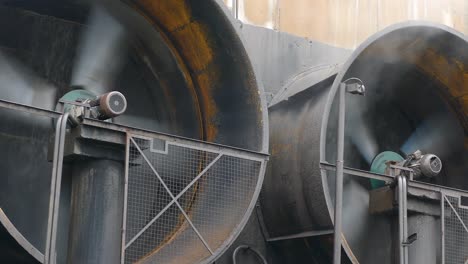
point(260, 256)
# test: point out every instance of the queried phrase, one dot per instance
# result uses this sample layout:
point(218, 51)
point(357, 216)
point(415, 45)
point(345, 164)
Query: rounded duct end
point(416, 99)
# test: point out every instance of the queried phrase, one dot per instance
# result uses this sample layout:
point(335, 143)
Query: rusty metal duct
point(183, 71)
point(417, 91)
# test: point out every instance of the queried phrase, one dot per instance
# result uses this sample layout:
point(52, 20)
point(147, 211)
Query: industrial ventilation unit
point(132, 132)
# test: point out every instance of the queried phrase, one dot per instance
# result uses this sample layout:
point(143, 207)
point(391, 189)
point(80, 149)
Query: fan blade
point(356, 209)
point(360, 134)
point(20, 85)
point(364, 141)
point(100, 53)
point(440, 134)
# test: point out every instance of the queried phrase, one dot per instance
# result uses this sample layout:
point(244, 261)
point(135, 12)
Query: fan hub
point(379, 165)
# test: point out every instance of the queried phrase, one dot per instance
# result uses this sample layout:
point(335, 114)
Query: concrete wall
point(346, 23)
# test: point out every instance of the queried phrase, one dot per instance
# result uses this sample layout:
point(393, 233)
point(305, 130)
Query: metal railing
point(453, 213)
point(184, 200)
point(176, 191)
point(454, 217)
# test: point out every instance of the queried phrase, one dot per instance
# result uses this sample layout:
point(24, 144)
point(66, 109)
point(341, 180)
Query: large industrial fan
point(413, 118)
point(131, 132)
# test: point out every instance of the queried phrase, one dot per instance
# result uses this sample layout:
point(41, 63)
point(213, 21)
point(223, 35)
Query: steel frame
point(404, 184)
point(220, 150)
point(129, 133)
point(443, 202)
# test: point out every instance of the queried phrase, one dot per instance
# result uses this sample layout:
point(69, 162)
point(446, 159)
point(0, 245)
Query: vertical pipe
point(125, 199)
point(405, 218)
point(442, 226)
point(56, 183)
point(235, 8)
point(339, 175)
point(400, 219)
point(47, 255)
point(96, 212)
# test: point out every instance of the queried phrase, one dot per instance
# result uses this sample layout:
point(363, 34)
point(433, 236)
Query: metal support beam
point(403, 219)
point(29, 109)
point(339, 175)
point(431, 190)
point(442, 226)
point(302, 235)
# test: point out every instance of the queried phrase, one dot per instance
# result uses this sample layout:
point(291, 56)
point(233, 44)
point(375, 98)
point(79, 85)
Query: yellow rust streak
point(453, 74)
point(448, 71)
point(189, 38)
point(209, 106)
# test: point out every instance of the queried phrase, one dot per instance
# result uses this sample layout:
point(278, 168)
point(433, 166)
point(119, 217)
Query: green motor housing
point(379, 164)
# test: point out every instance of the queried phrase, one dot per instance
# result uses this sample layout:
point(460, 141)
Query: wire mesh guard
point(184, 202)
point(456, 231)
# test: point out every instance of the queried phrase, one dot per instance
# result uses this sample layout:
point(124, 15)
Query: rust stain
point(172, 14)
point(278, 148)
point(453, 75)
point(463, 100)
point(188, 35)
point(450, 72)
point(167, 240)
point(190, 42)
point(209, 107)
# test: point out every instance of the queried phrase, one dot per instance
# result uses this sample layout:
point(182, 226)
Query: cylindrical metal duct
point(96, 209)
point(186, 73)
point(417, 91)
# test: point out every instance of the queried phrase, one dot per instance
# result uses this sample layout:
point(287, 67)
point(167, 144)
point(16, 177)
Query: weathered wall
point(346, 23)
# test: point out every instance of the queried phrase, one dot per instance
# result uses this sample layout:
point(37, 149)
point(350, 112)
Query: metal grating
point(456, 231)
point(184, 201)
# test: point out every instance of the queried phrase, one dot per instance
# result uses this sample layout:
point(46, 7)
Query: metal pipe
point(339, 175)
point(235, 8)
point(400, 220)
point(403, 219)
point(96, 212)
point(52, 190)
point(442, 226)
point(125, 199)
point(258, 254)
point(56, 182)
